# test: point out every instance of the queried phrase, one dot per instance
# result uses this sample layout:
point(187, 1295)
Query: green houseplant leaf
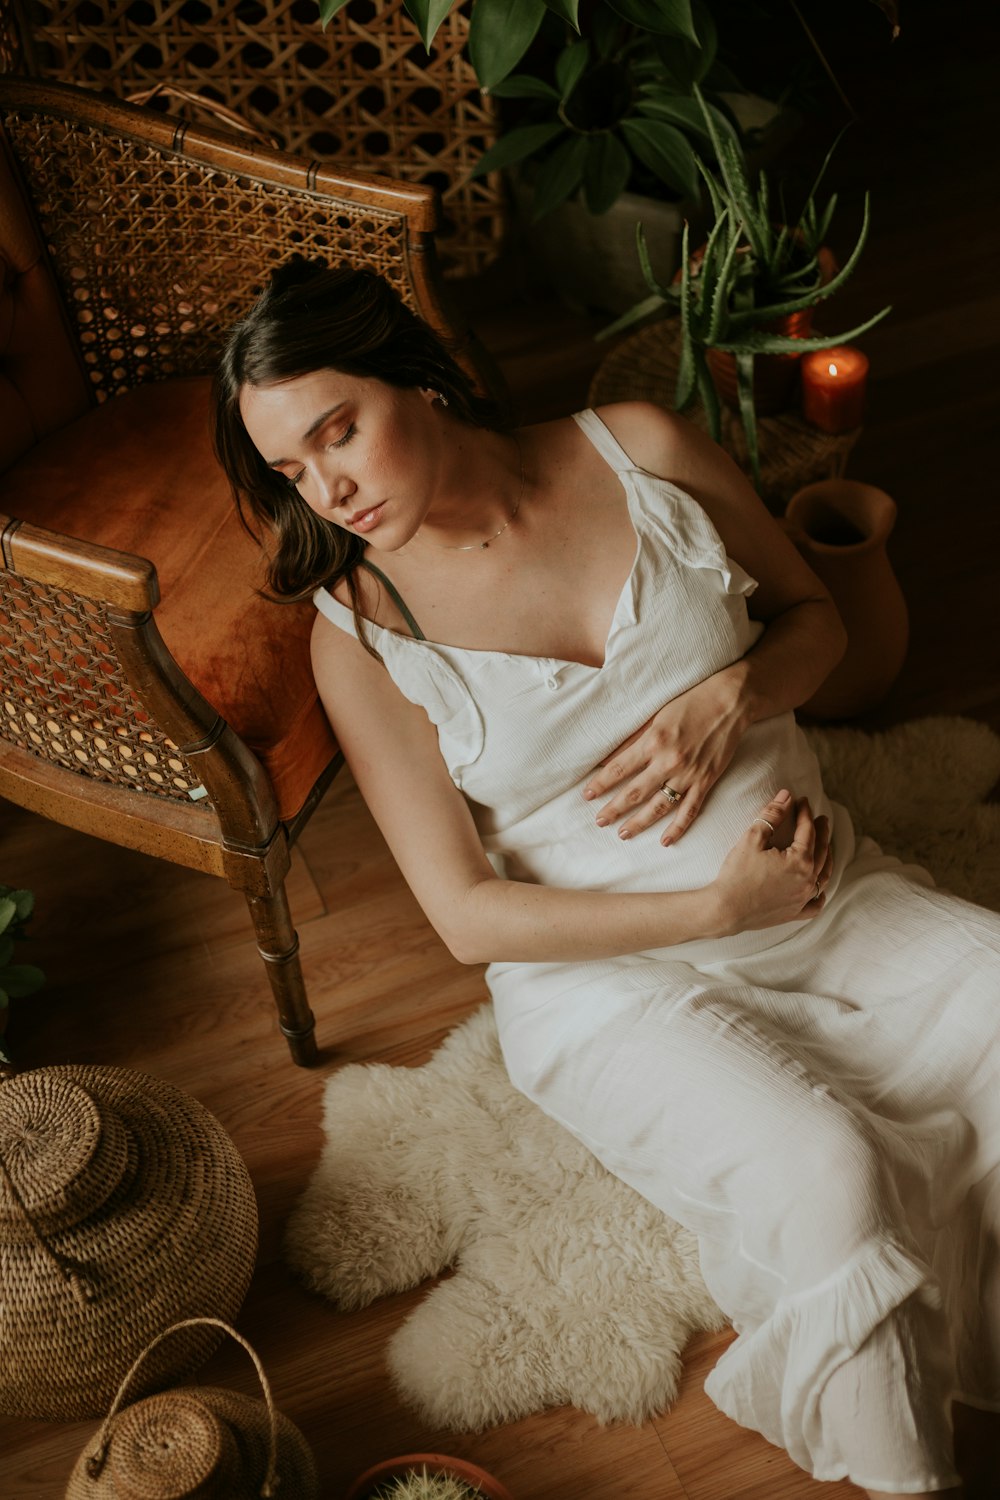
point(559, 175)
point(428, 15)
point(567, 10)
point(665, 151)
point(500, 33)
point(515, 146)
point(668, 17)
point(606, 171)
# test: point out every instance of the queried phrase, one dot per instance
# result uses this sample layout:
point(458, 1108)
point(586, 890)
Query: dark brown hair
point(314, 317)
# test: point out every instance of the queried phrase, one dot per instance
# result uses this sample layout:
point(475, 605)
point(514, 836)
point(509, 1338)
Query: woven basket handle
point(220, 112)
point(96, 1460)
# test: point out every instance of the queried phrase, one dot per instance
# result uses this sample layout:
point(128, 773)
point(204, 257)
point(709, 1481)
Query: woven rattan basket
point(199, 1441)
point(124, 1206)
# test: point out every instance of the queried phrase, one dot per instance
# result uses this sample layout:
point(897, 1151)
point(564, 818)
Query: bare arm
point(692, 740)
point(393, 753)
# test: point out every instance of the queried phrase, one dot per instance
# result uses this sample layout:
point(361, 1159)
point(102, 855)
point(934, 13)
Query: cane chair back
point(129, 244)
point(361, 92)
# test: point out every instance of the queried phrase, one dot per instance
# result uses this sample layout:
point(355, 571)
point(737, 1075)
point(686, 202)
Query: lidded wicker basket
point(200, 1442)
point(124, 1206)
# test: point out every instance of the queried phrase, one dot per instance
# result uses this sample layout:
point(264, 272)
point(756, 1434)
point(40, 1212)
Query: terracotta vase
point(393, 1468)
point(841, 527)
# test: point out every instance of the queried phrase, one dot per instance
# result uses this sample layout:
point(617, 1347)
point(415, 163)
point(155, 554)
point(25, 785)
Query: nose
point(333, 489)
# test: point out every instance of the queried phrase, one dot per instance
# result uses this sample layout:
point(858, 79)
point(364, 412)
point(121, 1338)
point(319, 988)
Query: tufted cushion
point(138, 474)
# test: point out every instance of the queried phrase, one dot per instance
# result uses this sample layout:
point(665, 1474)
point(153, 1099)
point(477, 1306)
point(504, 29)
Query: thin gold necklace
point(481, 546)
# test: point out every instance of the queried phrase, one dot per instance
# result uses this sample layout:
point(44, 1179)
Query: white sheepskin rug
point(567, 1287)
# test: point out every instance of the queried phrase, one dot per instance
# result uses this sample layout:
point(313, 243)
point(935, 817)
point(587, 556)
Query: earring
point(440, 396)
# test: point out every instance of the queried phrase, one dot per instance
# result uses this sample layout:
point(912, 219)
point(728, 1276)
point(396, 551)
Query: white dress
point(819, 1102)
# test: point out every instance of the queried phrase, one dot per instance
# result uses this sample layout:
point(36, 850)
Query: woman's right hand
point(760, 885)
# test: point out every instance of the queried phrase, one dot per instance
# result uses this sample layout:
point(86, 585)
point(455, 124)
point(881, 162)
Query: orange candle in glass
point(833, 388)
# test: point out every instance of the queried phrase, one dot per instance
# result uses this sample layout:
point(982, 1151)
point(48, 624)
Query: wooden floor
point(153, 968)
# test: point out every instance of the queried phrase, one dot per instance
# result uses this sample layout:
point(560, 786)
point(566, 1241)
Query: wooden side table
point(643, 367)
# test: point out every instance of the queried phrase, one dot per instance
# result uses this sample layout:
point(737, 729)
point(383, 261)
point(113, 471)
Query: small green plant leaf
point(748, 413)
point(567, 10)
point(328, 9)
point(559, 175)
point(656, 102)
point(606, 171)
point(570, 67)
point(737, 184)
point(513, 147)
point(640, 310)
point(428, 15)
point(665, 17)
point(8, 912)
point(645, 264)
point(759, 342)
point(524, 86)
point(664, 150)
point(708, 396)
point(22, 979)
point(500, 33)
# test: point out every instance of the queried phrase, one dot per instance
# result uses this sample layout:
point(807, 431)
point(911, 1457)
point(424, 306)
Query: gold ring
point(671, 794)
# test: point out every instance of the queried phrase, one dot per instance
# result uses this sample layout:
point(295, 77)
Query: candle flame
point(832, 368)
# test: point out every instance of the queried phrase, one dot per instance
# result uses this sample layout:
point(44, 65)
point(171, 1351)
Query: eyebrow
point(311, 430)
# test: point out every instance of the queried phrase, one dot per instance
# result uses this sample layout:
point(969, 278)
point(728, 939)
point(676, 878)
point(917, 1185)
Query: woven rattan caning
point(66, 699)
point(158, 255)
point(363, 93)
point(124, 1206)
point(197, 1441)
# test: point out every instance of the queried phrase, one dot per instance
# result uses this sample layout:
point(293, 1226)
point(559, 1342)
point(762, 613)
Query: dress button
point(551, 682)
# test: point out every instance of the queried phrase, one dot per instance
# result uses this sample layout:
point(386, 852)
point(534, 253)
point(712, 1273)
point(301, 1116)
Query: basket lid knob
point(173, 1447)
point(63, 1154)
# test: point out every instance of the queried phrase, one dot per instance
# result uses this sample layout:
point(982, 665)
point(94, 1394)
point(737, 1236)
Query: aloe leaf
point(748, 414)
point(823, 228)
point(635, 314)
point(775, 343)
point(645, 264)
point(716, 198)
point(718, 323)
point(709, 398)
point(811, 195)
point(664, 150)
point(428, 15)
point(798, 304)
point(734, 177)
point(500, 33)
point(686, 386)
point(523, 141)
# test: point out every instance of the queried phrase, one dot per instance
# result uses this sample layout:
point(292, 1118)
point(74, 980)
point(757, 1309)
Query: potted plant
point(426, 1476)
point(750, 291)
point(16, 980)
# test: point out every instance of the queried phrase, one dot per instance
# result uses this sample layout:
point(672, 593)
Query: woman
point(584, 760)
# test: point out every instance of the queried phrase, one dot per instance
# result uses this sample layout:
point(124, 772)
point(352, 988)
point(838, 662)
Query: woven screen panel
point(361, 94)
point(66, 699)
point(157, 256)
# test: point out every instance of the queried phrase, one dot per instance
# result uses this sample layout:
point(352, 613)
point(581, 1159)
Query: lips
point(365, 520)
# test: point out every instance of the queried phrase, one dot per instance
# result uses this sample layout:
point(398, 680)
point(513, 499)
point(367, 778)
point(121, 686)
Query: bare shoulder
point(663, 442)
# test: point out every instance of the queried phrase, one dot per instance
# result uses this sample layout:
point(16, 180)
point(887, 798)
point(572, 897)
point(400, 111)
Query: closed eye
point(296, 479)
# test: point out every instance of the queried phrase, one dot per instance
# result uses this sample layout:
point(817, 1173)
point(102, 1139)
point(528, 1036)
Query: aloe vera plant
point(752, 273)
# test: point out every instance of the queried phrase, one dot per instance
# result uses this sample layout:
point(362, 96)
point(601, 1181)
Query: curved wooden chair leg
point(278, 946)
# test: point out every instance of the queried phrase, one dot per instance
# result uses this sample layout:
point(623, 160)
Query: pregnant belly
point(560, 844)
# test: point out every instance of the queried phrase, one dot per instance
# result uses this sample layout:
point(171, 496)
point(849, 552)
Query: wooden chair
point(188, 729)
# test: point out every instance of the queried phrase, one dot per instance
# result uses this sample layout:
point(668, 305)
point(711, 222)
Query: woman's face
point(361, 454)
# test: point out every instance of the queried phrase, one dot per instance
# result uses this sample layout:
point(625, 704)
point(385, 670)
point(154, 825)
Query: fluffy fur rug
point(568, 1287)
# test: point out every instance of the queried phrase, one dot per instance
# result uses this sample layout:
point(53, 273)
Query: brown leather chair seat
point(112, 477)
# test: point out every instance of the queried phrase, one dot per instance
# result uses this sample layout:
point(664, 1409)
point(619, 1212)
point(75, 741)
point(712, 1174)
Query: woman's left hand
point(684, 749)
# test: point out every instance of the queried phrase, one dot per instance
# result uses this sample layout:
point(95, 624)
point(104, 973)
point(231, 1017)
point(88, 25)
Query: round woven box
point(200, 1442)
point(124, 1206)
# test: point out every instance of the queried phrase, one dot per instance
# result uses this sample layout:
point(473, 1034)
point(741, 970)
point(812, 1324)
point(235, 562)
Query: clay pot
point(393, 1468)
point(841, 528)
